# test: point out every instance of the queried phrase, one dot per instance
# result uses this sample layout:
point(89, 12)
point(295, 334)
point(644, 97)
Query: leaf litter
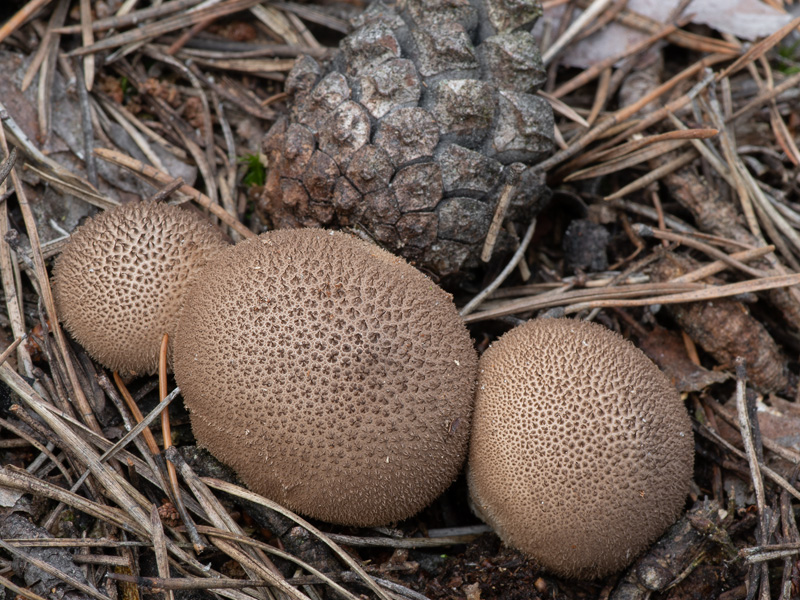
point(688, 160)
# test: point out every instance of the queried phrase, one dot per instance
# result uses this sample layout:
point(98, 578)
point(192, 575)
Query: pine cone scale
point(414, 128)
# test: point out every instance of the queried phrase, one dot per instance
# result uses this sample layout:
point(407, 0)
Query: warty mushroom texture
point(120, 282)
point(582, 451)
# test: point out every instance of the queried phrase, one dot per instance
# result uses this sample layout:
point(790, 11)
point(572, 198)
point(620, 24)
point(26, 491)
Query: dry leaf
point(746, 19)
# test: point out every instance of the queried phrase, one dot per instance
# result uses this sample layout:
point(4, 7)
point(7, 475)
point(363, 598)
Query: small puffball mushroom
point(120, 282)
point(581, 452)
point(334, 377)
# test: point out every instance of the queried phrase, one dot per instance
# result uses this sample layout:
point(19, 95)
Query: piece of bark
point(725, 329)
point(15, 525)
point(716, 216)
point(667, 350)
point(296, 540)
point(671, 555)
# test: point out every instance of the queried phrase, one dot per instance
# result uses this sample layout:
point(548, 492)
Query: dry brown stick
point(589, 74)
point(53, 571)
point(603, 20)
point(654, 175)
point(404, 542)
point(747, 430)
point(715, 267)
point(227, 181)
point(594, 9)
point(709, 293)
point(163, 392)
point(11, 347)
point(782, 135)
point(626, 112)
point(172, 489)
point(246, 103)
point(601, 96)
point(314, 15)
point(628, 160)
point(101, 559)
point(152, 173)
point(679, 38)
point(562, 108)
point(219, 50)
point(132, 517)
point(56, 20)
point(758, 49)
point(166, 432)
point(35, 443)
point(83, 192)
point(730, 153)
point(145, 449)
point(137, 137)
point(671, 107)
point(255, 569)
point(19, 479)
point(130, 435)
point(8, 164)
point(168, 584)
point(9, 273)
point(765, 96)
point(645, 231)
point(775, 477)
point(754, 198)
point(131, 123)
point(235, 490)
point(705, 151)
point(248, 541)
point(87, 37)
point(785, 453)
point(180, 21)
point(89, 159)
point(160, 547)
point(133, 18)
point(498, 218)
point(74, 543)
point(789, 533)
point(220, 518)
point(507, 270)
point(20, 17)
point(137, 414)
point(47, 74)
point(564, 295)
point(206, 162)
point(47, 297)
point(20, 591)
point(682, 133)
point(148, 467)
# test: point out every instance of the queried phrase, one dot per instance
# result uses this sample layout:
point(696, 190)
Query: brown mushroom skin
point(334, 377)
point(581, 452)
point(120, 282)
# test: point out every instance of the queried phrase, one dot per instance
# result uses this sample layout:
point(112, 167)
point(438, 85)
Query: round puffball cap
point(582, 452)
point(120, 282)
point(334, 377)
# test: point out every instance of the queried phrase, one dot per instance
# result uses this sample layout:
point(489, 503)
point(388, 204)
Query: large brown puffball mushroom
point(119, 284)
point(581, 452)
point(335, 378)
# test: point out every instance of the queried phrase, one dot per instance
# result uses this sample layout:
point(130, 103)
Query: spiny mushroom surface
point(334, 377)
point(581, 452)
point(119, 284)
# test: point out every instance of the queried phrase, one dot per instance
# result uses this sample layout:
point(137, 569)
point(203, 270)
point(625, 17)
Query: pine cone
point(414, 132)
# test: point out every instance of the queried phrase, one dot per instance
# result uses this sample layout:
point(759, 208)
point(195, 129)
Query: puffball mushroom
point(581, 452)
point(334, 377)
point(120, 281)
